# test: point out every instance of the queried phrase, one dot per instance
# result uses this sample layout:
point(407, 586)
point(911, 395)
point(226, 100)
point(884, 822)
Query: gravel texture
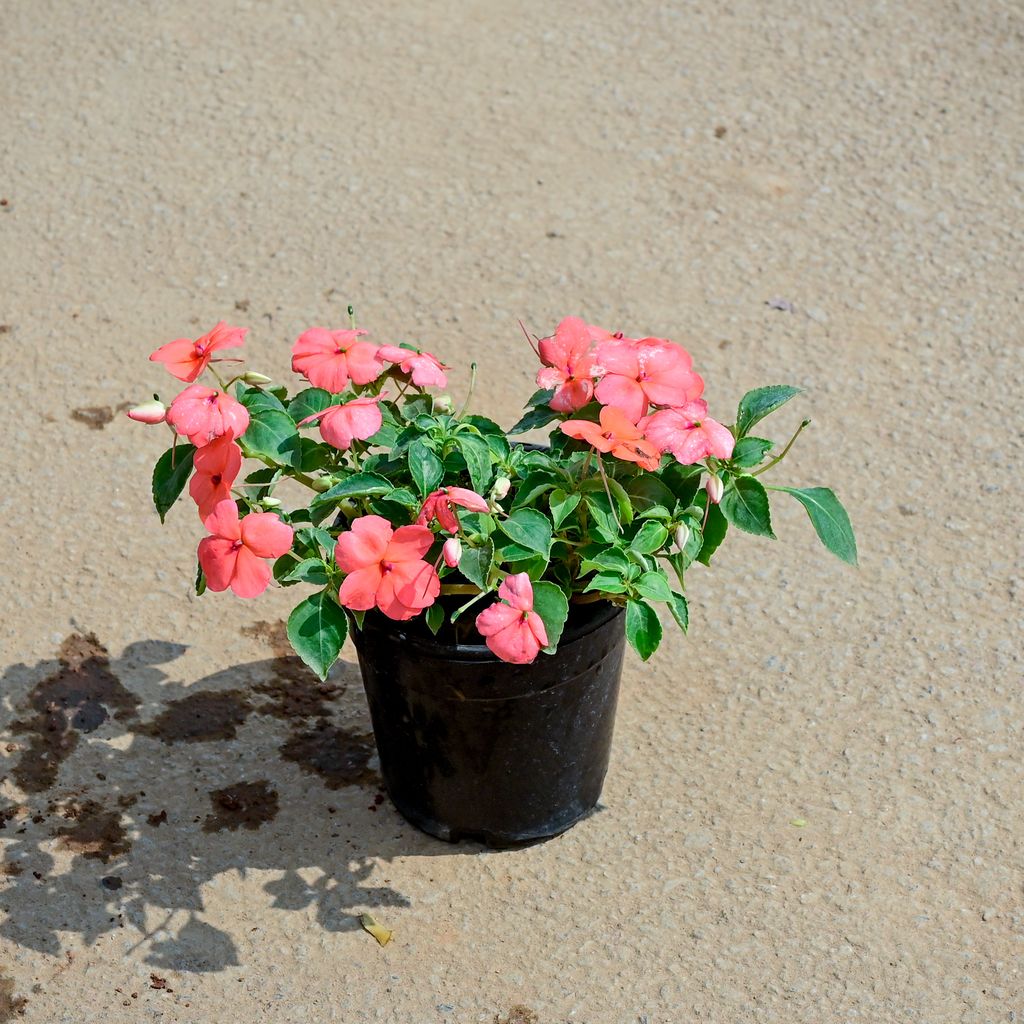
point(814, 811)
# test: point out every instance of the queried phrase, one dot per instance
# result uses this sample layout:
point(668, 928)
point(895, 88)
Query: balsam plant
point(414, 509)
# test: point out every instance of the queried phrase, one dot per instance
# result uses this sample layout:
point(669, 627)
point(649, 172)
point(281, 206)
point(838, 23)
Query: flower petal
point(363, 544)
point(497, 617)
point(252, 575)
point(408, 544)
point(223, 521)
point(180, 358)
point(623, 393)
point(518, 591)
point(217, 557)
point(358, 590)
point(265, 535)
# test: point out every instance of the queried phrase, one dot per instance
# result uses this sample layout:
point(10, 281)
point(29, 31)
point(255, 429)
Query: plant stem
point(785, 451)
point(469, 393)
point(608, 491)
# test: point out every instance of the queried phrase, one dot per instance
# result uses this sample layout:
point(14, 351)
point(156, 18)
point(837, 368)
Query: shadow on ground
point(134, 792)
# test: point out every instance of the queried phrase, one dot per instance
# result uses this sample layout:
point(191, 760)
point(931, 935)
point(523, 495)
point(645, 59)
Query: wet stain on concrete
point(243, 805)
point(78, 698)
point(294, 692)
point(96, 417)
point(10, 1004)
point(200, 717)
point(97, 833)
point(518, 1014)
point(338, 756)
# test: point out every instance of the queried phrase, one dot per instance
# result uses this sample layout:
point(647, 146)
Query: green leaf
point(750, 451)
point(533, 487)
point(602, 522)
point(309, 402)
point(312, 536)
point(745, 505)
point(611, 559)
point(273, 435)
point(534, 418)
point(435, 618)
point(170, 474)
point(425, 467)
point(309, 570)
point(715, 529)
point(478, 461)
point(562, 506)
point(647, 491)
point(650, 538)
point(605, 583)
point(622, 502)
point(475, 563)
point(757, 404)
point(643, 628)
point(542, 396)
point(200, 581)
point(256, 400)
point(551, 604)
point(529, 528)
point(682, 481)
point(359, 485)
point(653, 586)
point(680, 610)
point(829, 518)
point(317, 628)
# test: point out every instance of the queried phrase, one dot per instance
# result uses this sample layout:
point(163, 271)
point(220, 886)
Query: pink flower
point(452, 552)
point(330, 359)
point(148, 412)
point(186, 359)
point(616, 434)
point(649, 370)
point(688, 433)
point(513, 631)
point(342, 424)
point(427, 371)
point(439, 505)
point(216, 466)
point(201, 414)
point(569, 360)
point(386, 568)
point(233, 555)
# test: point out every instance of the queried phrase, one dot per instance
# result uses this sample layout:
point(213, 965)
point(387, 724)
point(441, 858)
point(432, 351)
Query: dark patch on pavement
point(10, 1004)
point(243, 805)
point(518, 1014)
point(96, 417)
point(77, 698)
point(97, 833)
point(200, 717)
point(338, 756)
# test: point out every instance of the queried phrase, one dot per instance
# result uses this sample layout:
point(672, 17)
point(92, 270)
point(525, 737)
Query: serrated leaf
point(647, 491)
point(359, 485)
point(257, 400)
point(680, 610)
point(562, 506)
point(273, 435)
point(745, 505)
point(651, 537)
point(309, 570)
point(533, 419)
point(829, 518)
point(616, 561)
point(643, 628)
point(603, 523)
point(317, 628)
point(478, 461)
point(750, 451)
point(605, 583)
point(653, 586)
point(551, 604)
point(170, 474)
point(757, 404)
point(715, 529)
point(529, 528)
point(425, 467)
point(309, 402)
point(475, 563)
point(533, 487)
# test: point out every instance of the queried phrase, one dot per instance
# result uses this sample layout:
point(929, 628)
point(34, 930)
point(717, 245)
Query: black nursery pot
point(474, 748)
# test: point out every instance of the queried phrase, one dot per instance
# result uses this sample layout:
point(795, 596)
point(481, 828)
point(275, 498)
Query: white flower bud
point(252, 377)
point(269, 502)
point(500, 488)
point(682, 536)
point(714, 487)
point(148, 412)
point(443, 404)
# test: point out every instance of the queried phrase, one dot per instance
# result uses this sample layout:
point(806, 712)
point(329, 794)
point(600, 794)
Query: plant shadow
point(125, 793)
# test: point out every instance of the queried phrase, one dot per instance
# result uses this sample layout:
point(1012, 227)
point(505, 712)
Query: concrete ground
point(814, 811)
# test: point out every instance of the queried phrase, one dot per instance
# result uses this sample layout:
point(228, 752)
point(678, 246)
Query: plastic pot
point(474, 748)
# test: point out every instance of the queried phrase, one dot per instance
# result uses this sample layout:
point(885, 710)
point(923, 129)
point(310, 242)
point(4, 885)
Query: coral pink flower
point(233, 555)
point(616, 434)
point(357, 420)
point(452, 552)
point(149, 412)
point(186, 359)
point(386, 568)
point(569, 360)
point(201, 414)
point(649, 370)
point(427, 370)
point(330, 359)
point(439, 505)
point(513, 631)
point(216, 466)
point(688, 433)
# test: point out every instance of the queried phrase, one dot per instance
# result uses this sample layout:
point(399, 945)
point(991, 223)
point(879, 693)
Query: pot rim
point(481, 652)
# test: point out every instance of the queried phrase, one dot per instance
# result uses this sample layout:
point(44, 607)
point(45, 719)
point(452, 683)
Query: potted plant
point(488, 585)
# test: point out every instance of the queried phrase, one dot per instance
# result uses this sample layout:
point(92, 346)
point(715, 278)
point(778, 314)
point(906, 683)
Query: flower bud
point(452, 551)
point(682, 536)
point(252, 377)
point(269, 502)
point(714, 487)
point(443, 404)
point(148, 412)
point(322, 483)
point(500, 488)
